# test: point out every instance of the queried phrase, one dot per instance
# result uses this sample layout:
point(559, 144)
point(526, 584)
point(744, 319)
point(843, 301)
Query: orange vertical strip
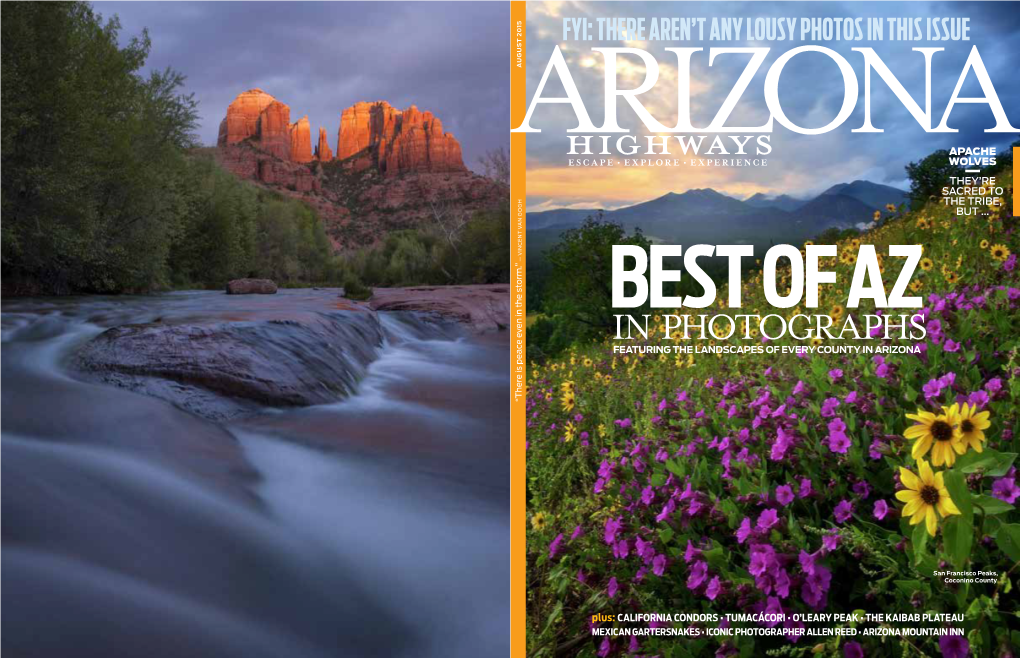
point(518, 327)
point(1016, 154)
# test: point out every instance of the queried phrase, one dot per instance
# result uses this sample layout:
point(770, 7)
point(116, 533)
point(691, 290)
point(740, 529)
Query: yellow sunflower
point(877, 216)
point(916, 285)
point(924, 494)
point(538, 521)
point(973, 424)
point(999, 252)
point(890, 207)
point(927, 264)
point(923, 223)
point(848, 257)
point(939, 433)
point(984, 244)
point(951, 277)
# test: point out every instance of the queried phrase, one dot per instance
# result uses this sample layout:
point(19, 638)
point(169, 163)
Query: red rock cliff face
point(242, 117)
point(274, 130)
point(322, 151)
point(371, 136)
point(395, 142)
point(301, 141)
point(393, 167)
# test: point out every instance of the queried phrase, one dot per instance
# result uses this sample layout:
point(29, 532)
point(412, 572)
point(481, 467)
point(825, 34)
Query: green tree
point(579, 293)
point(94, 174)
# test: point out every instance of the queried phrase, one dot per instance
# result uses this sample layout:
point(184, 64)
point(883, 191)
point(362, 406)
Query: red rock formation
point(242, 117)
point(245, 161)
point(274, 130)
point(322, 151)
point(301, 140)
point(412, 141)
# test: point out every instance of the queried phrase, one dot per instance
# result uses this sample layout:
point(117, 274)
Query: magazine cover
point(766, 311)
point(255, 356)
point(713, 353)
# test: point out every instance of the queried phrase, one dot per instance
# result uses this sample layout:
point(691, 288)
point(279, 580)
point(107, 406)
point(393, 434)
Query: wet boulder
point(225, 369)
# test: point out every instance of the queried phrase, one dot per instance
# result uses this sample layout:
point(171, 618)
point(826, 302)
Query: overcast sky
point(321, 57)
point(811, 92)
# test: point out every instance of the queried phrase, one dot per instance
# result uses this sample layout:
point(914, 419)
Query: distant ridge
point(707, 215)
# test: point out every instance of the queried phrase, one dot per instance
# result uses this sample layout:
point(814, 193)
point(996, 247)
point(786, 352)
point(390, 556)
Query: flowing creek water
point(369, 524)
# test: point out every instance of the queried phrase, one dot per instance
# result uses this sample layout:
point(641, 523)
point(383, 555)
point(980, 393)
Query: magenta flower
point(767, 519)
point(829, 407)
point(578, 532)
point(713, 589)
point(744, 531)
point(1005, 489)
point(699, 573)
point(554, 545)
point(830, 542)
point(691, 553)
point(804, 490)
point(816, 586)
point(613, 526)
point(954, 646)
point(613, 588)
point(881, 509)
point(844, 510)
point(951, 346)
point(784, 494)
point(763, 560)
point(838, 440)
point(978, 399)
point(835, 374)
point(659, 564)
point(853, 650)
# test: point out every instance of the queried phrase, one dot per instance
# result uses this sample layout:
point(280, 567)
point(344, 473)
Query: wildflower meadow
point(799, 484)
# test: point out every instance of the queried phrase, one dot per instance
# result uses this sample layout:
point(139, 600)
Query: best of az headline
point(647, 274)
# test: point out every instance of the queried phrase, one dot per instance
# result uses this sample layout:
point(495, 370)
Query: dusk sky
point(322, 57)
point(811, 92)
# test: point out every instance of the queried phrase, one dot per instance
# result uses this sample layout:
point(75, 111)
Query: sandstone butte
point(322, 150)
point(372, 135)
point(392, 170)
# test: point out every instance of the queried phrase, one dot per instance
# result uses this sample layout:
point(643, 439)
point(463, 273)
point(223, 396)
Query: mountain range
point(707, 216)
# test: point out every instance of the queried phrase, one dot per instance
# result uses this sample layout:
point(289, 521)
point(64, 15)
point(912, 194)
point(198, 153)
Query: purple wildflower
point(843, 511)
point(714, 586)
point(744, 531)
point(767, 519)
point(881, 509)
point(1005, 489)
point(954, 646)
point(554, 546)
point(699, 573)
